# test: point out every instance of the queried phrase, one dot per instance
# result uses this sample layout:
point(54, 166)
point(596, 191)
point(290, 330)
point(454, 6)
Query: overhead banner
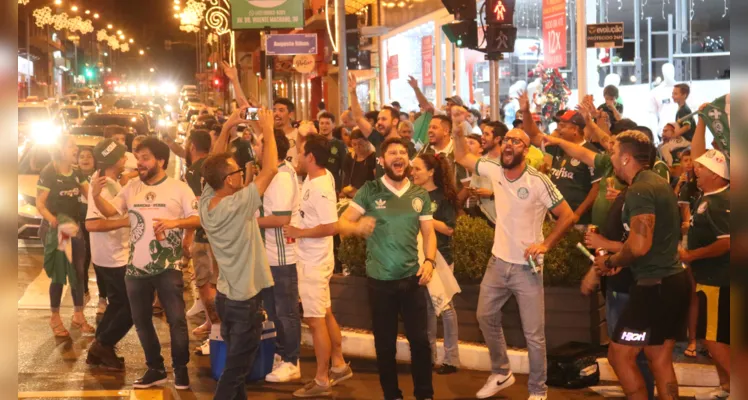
point(259, 14)
point(554, 33)
point(605, 36)
point(427, 59)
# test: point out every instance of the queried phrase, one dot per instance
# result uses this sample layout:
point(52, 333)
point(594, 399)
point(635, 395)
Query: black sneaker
point(181, 378)
point(151, 377)
point(446, 369)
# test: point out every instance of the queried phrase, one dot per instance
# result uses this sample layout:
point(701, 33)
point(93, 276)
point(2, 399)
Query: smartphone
point(250, 114)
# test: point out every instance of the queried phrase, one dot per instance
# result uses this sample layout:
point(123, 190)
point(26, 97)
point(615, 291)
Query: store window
point(405, 54)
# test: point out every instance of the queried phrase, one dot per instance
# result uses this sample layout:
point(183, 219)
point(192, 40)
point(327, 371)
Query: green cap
point(107, 152)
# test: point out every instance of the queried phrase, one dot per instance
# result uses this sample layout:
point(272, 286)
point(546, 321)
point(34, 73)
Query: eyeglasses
point(513, 141)
point(238, 171)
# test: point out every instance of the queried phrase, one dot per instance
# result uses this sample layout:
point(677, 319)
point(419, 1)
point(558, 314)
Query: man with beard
point(283, 108)
point(315, 262)
point(481, 188)
point(159, 208)
point(577, 182)
point(655, 315)
point(390, 212)
point(523, 197)
point(338, 149)
point(109, 253)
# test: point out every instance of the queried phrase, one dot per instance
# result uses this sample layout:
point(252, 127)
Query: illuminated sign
point(500, 12)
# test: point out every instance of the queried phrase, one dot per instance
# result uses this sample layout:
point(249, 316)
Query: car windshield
point(123, 103)
point(87, 103)
point(133, 121)
point(32, 114)
point(71, 112)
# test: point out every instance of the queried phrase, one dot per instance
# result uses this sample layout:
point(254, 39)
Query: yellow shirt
point(535, 157)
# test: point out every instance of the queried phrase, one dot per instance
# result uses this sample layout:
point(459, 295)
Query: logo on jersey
point(380, 204)
point(562, 173)
point(334, 150)
point(417, 204)
point(306, 195)
point(574, 162)
point(150, 196)
point(194, 204)
point(702, 208)
point(434, 207)
point(523, 193)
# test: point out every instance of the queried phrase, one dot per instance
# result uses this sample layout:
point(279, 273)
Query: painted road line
point(36, 294)
point(617, 391)
point(66, 394)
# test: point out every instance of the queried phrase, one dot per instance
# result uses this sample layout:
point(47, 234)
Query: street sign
point(605, 36)
point(259, 14)
point(501, 38)
point(291, 44)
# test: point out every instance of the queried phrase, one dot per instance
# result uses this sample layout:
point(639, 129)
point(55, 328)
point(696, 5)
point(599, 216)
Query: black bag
point(574, 365)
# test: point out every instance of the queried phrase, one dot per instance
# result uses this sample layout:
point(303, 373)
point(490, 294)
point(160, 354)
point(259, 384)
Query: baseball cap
point(571, 116)
point(456, 99)
point(716, 162)
point(107, 152)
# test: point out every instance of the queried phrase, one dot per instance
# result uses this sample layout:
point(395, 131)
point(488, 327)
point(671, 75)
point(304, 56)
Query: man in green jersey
point(390, 212)
point(655, 315)
point(708, 254)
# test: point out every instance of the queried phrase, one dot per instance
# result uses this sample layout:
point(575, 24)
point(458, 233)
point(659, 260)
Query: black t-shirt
point(64, 191)
point(242, 151)
point(338, 151)
point(443, 211)
point(356, 173)
point(612, 118)
point(194, 178)
point(682, 112)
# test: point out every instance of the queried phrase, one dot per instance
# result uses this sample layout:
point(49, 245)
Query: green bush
point(564, 265)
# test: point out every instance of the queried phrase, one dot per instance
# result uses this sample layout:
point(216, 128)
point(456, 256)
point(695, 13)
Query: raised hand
point(306, 128)
point(351, 82)
point(524, 102)
point(229, 71)
point(412, 82)
point(265, 121)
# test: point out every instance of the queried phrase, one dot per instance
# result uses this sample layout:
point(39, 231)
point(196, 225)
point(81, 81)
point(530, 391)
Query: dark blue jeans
point(140, 291)
point(282, 305)
point(615, 302)
point(241, 329)
point(117, 319)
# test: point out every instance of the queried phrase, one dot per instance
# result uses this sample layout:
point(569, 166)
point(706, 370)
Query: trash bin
point(263, 363)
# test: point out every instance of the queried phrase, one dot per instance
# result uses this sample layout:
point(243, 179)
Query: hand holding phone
point(250, 114)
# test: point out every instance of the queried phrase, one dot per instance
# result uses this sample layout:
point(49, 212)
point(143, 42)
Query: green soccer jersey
point(194, 178)
point(710, 221)
point(392, 249)
point(650, 194)
point(572, 177)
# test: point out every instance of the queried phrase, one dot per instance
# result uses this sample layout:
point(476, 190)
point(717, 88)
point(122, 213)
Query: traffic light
point(463, 32)
point(208, 64)
point(500, 12)
point(500, 34)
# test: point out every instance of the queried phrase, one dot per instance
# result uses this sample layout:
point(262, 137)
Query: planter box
point(569, 316)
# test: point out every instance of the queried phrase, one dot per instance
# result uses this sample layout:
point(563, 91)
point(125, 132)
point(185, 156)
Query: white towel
point(443, 285)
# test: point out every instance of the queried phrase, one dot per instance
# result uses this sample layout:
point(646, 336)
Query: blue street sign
point(291, 44)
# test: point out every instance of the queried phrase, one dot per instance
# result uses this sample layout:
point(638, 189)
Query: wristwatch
point(431, 261)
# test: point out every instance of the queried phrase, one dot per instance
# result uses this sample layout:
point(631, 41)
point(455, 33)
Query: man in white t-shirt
point(159, 207)
point(283, 109)
point(280, 206)
point(315, 231)
point(523, 197)
point(110, 251)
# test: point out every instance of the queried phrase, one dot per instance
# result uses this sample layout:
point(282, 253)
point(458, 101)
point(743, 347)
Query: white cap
point(716, 162)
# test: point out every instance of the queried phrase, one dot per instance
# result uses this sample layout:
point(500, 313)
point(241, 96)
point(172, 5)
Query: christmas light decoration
point(44, 17)
point(192, 16)
point(23, 2)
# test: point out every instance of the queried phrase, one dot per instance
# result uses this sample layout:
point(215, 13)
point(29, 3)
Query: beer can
point(290, 240)
point(601, 252)
point(533, 265)
point(593, 229)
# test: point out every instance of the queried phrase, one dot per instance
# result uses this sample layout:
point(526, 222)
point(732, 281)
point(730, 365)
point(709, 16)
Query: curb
point(475, 357)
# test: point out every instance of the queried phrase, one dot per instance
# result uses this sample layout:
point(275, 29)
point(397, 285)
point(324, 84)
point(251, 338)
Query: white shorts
point(314, 288)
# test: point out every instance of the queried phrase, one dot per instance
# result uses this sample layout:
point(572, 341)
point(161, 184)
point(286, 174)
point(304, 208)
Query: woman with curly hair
point(434, 173)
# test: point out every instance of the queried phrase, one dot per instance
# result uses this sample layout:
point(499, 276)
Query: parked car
point(70, 116)
point(88, 106)
point(137, 123)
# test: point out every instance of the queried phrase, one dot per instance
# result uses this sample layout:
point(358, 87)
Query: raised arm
point(233, 76)
point(460, 128)
point(269, 152)
point(528, 124)
point(422, 100)
point(221, 144)
point(106, 208)
point(582, 154)
point(356, 110)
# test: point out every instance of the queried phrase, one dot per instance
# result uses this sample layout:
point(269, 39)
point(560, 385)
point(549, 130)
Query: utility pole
point(494, 83)
point(342, 55)
point(28, 49)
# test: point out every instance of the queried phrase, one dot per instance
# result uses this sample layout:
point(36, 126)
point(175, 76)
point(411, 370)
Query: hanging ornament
point(724, 14)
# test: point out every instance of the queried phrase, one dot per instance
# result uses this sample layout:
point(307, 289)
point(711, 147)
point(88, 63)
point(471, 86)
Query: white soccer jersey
point(281, 198)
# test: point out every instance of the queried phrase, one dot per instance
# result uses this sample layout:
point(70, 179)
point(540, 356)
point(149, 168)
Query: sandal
point(690, 350)
point(59, 329)
point(83, 326)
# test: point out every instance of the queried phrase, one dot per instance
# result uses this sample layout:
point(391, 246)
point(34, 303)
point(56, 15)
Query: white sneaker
point(717, 393)
point(284, 373)
point(537, 397)
point(197, 308)
point(494, 384)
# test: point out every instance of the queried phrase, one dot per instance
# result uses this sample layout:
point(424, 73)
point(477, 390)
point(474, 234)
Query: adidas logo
point(380, 204)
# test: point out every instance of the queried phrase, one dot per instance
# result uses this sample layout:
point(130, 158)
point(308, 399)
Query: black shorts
point(713, 323)
point(655, 313)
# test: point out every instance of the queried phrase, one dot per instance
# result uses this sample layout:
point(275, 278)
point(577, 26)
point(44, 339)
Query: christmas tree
point(553, 95)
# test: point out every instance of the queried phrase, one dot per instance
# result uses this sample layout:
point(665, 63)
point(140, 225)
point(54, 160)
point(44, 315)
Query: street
point(56, 368)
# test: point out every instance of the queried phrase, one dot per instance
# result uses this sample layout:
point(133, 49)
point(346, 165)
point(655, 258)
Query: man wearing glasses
point(227, 209)
point(523, 196)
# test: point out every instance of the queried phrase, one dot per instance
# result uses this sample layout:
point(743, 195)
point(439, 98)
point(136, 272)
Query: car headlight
point(45, 132)
point(180, 128)
point(168, 108)
point(164, 122)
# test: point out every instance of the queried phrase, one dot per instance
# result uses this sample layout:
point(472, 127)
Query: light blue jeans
point(449, 321)
point(502, 280)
